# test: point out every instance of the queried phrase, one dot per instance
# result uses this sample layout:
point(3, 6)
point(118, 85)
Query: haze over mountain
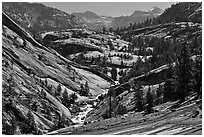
point(98, 21)
point(113, 9)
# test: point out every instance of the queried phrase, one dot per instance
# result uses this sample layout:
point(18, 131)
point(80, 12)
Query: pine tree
point(86, 88)
point(168, 86)
point(82, 91)
point(183, 72)
point(110, 92)
point(114, 73)
point(58, 90)
point(138, 93)
point(73, 98)
point(104, 29)
point(149, 99)
point(110, 45)
point(65, 99)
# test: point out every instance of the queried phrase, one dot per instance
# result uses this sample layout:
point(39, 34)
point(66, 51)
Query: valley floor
point(185, 120)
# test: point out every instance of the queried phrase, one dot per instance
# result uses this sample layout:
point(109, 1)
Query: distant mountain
point(156, 11)
point(179, 12)
point(139, 13)
point(36, 17)
point(93, 20)
point(137, 17)
point(87, 14)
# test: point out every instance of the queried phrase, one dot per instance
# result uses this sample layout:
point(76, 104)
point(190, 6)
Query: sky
point(114, 9)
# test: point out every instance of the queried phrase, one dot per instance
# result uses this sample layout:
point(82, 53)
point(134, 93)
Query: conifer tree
point(73, 98)
point(184, 74)
point(149, 99)
point(168, 86)
point(114, 73)
point(58, 90)
point(65, 99)
point(104, 29)
point(86, 88)
point(110, 93)
point(138, 92)
point(82, 89)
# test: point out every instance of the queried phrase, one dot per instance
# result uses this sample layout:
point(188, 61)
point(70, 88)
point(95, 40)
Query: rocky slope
point(172, 31)
point(36, 17)
point(31, 74)
point(186, 120)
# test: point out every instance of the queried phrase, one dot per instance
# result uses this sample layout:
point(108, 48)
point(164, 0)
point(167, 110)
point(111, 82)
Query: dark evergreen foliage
point(184, 72)
point(149, 101)
point(121, 110)
point(138, 97)
point(65, 99)
point(114, 73)
point(73, 98)
point(58, 90)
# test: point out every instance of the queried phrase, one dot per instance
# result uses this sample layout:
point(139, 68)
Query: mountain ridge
point(92, 18)
point(37, 17)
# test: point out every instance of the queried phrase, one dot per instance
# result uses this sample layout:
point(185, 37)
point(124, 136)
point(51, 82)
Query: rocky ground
point(184, 120)
point(31, 74)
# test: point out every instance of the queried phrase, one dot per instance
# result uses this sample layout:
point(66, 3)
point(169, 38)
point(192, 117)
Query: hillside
point(32, 75)
point(179, 12)
point(160, 46)
point(74, 80)
point(137, 17)
point(183, 11)
point(36, 17)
